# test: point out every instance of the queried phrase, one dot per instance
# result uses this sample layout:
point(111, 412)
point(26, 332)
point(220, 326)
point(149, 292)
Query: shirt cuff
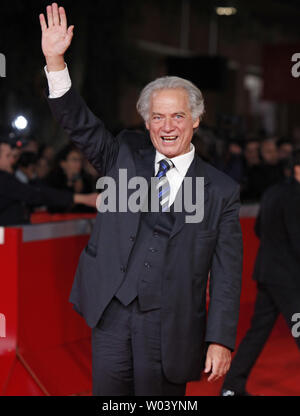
point(59, 82)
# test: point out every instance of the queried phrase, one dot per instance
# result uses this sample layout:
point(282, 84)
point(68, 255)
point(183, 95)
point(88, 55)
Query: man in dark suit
point(17, 198)
point(276, 272)
point(141, 280)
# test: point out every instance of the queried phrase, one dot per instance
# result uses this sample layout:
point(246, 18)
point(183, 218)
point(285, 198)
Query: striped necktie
point(163, 186)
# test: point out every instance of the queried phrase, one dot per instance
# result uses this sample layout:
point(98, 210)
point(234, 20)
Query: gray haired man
point(141, 280)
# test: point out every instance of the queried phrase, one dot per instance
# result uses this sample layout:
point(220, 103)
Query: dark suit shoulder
point(277, 190)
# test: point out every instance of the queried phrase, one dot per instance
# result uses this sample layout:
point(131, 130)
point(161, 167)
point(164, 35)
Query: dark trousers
point(126, 354)
point(270, 301)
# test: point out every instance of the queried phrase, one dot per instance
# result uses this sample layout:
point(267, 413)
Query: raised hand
point(56, 37)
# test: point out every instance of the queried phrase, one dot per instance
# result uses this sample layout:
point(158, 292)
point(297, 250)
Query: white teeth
point(169, 138)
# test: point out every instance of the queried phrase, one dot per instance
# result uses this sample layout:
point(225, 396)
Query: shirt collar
point(181, 162)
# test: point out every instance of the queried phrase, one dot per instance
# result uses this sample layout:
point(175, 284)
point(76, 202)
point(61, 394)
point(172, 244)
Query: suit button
point(153, 250)
point(123, 269)
point(155, 234)
point(146, 264)
point(132, 238)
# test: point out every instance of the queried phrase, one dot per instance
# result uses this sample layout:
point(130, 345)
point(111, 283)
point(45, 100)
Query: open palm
point(56, 37)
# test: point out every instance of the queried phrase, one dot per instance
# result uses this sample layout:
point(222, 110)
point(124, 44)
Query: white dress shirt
point(60, 82)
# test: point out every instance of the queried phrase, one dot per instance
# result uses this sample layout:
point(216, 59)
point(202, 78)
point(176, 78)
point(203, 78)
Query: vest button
point(123, 269)
point(153, 250)
point(132, 238)
point(146, 264)
point(155, 234)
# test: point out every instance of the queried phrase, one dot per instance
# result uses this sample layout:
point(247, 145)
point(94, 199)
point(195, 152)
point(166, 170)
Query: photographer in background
point(276, 272)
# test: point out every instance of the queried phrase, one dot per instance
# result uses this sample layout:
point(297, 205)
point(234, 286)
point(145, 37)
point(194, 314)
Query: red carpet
point(276, 372)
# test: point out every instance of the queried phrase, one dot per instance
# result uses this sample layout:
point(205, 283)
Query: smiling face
point(170, 122)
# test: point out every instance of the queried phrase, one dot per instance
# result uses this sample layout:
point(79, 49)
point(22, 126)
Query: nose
point(168, 125)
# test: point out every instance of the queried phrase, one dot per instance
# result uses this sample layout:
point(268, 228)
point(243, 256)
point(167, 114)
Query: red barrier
point(47, 348)
point(9, 248)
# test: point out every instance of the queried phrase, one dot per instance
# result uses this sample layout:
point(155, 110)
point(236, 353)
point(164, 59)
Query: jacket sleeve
point(86, 131)
point(292, 222)
point(12, 189)
point(225, 277)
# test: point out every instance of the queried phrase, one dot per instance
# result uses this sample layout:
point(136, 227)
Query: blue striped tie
point(163, 185)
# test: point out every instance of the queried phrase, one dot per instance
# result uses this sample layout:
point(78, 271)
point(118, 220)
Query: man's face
point(269, 152)
point(6, 158)
point(73, 164)
point(285, 151)
point(252, 153)
point(170, 122)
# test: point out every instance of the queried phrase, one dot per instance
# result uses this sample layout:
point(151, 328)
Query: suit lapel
point(128, 222)
point(196, 169)
point(144, 162)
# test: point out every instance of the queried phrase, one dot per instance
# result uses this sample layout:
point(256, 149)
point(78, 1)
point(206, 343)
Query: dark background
point(119, 45)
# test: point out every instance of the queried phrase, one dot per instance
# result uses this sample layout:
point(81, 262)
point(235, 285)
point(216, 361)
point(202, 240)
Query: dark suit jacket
point(278, 227)
point(214, 245)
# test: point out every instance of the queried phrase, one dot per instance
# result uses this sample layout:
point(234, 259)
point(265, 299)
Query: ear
point(196, 123)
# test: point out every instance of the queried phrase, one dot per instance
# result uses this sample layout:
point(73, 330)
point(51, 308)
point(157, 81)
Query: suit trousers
point(271, 300)
point(126, 353)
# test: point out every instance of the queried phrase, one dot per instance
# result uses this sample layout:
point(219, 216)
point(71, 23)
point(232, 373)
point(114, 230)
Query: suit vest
point(144, 272)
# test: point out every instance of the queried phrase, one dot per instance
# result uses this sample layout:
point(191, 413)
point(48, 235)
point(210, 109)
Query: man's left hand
point(218, 360)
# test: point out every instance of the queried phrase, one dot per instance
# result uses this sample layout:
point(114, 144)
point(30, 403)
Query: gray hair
point(196, 102)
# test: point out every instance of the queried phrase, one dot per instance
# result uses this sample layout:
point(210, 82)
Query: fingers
point(43, 22)
point(49, 16)
point(219, 369)
point(70, 33)
point(208, 364)
point(55, 14)
point(63, 17)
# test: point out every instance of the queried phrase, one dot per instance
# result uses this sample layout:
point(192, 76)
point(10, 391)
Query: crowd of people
point(255, 163)
point(33, 178)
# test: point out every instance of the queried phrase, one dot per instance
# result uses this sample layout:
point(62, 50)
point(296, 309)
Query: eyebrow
point(173, 114)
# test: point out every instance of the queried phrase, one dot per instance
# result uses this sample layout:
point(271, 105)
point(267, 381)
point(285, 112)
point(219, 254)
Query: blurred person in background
point(265, 174)
point(276, 272)
point(26, 167)
point(47, 152)
point(231, 161)
point(31, 145)
point(285, 149)
point(251, 153)
point(42, 168)
point(68, 174)
point(17, 198)
point(16, 153)
point(252, 159)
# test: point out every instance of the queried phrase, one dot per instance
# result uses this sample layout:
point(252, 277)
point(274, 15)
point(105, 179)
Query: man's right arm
point(86, 131)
